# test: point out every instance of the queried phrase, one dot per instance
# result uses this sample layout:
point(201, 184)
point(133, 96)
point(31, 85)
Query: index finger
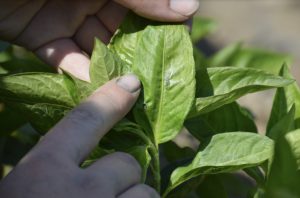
point(79, 132)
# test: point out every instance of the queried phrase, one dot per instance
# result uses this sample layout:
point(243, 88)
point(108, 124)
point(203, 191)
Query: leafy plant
point(181, 89)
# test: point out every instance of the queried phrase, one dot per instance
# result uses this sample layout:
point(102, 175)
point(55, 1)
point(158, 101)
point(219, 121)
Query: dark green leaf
point(228, 118)
point(239, 150)
point(172, 152)
point(10, 120)
point(211, 187)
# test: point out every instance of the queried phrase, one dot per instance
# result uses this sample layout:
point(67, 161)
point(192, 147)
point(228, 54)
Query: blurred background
point(268, 24)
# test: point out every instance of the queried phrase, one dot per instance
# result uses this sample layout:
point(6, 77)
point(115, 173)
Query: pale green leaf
point(231, 83)
point(236, 55)
point(202, 27)
point(226, 152)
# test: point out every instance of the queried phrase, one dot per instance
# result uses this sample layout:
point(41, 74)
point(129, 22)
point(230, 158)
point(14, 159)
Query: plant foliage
point(181, 89)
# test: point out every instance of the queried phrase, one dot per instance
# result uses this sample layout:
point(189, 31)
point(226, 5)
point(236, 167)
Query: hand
point(51, 169)
point(59, 31)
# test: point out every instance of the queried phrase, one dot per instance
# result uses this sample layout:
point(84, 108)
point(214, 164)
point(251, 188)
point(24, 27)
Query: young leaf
point(230, 83)
point(225, 153)
point(284, 99)
point(104, 65)
point(165, 65)
point(230, 117)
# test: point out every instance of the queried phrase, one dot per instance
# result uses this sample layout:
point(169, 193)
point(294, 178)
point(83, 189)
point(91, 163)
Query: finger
point(105, 15)
point(140, 190)
point(65, 54)
point(78, 133)
point(119, 171)
point(92, 28)
point(163, 10)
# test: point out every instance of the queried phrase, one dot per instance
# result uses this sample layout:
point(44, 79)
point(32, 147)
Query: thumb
point(162, 10)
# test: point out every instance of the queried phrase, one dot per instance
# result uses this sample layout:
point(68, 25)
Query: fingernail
point(184, 7)
point(129, 82)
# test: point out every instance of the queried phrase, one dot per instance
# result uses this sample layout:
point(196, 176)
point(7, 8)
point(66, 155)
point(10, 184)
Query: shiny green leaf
point(231, 83)
point(165, 65)
point(238, 150)
point(42, 98)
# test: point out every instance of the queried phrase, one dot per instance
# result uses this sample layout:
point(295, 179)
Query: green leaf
point(42, 98)
point(37, 88)
point(172, 152)
point(104, 65)
point(124, 42)
point(293, 139)
point(230, 117)
point(239, 150)
point(129, 137)
point(282, 126)
point(224, 56)
point(284, 176)
point(162, 57)
point(10, 120)
point(165, 65)
point(284, 99)
point(202, 27)
point(211, 187)
point(236, 55)
point(231, 83)
point(18, 60)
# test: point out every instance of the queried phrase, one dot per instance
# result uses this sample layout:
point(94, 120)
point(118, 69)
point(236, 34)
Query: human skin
point(61, 32)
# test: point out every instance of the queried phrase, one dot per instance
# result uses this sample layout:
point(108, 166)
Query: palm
point(62, 32)
point(69, 32)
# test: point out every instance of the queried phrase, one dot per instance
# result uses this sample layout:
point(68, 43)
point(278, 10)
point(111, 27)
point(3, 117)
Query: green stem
point(155, 167)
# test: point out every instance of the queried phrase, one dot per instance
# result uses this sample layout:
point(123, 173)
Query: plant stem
point(155, 167)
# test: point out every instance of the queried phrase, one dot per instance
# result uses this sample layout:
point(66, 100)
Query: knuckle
point(129, 160)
